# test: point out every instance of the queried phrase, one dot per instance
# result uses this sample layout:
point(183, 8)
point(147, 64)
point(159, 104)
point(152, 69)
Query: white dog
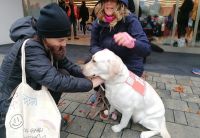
point(129, 94)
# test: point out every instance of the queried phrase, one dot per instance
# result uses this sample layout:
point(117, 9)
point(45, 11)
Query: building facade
point(158, 18)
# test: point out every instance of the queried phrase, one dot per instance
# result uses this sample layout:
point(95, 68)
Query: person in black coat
point(84, 15)
point(49, 40)
point(62, 4)
point(182, 20)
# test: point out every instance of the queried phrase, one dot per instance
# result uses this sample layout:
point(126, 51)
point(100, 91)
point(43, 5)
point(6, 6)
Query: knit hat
point(53, 22)
point(125, 2)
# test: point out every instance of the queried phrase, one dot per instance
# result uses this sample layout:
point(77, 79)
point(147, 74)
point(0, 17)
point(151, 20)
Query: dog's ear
point(114, 67)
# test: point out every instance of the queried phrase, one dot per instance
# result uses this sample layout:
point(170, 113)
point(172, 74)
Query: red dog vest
point(136, 83)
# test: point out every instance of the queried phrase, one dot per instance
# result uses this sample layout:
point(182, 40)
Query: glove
point(124, 39)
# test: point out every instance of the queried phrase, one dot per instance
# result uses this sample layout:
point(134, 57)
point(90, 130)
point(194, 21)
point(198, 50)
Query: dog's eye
point(93, 60)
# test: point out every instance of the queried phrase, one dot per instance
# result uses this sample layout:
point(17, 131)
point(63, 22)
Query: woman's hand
point(124, 39)
point(96, 81)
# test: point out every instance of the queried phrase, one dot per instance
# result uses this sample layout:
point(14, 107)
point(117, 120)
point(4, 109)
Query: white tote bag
point(32, 114)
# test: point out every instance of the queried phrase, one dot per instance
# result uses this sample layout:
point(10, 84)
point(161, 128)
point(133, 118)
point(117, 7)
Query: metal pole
point(196, 25)
point(175, 22)
point(137, 4)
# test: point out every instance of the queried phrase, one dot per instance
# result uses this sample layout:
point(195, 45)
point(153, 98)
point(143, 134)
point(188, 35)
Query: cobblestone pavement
point(182, 110)
point(1, 58)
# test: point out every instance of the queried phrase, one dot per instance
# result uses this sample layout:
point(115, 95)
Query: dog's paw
point(142, 135)
point(147, 134)
point(116, 128)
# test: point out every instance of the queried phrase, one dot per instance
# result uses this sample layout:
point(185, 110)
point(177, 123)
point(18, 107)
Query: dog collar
point(136, 83)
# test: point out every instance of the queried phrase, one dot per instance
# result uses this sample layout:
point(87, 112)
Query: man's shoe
point(76, 38)
point(69, 38)
point(196, 71)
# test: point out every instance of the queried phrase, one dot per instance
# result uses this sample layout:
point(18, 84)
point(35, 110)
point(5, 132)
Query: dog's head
point(104, 64)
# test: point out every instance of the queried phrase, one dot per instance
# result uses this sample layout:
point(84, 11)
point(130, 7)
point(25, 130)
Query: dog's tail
point(164, 132)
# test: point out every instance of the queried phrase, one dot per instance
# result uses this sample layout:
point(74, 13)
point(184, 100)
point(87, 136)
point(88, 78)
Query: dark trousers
point(57, 95)
point(2, 131)
point(74, 23)
point(83, 26)
point(181, 28)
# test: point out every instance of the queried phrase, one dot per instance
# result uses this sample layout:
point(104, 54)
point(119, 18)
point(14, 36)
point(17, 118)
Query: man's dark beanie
point(53, 22)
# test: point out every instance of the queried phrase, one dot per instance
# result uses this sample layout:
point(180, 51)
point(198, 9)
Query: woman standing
point(118, 30)
point(182, 20)
point(84, 15)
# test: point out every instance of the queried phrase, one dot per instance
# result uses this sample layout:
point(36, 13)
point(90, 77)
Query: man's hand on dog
point(96, 81)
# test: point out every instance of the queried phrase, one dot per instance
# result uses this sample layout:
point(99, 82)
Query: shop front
point(11, 10)
point(158, 19)
point(32, 7)
point(172, 24)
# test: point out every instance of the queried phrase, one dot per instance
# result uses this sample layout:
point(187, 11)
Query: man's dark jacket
point(39, 69)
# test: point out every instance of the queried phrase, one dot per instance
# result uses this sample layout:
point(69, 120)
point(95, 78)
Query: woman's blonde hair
point(120, 13)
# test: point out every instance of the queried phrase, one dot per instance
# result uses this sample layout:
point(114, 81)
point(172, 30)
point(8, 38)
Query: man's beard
point(58, 53)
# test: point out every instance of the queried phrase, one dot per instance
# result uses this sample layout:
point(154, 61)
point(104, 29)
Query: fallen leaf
point(82, 111)
point(179, 89)
point(198, 112)
point(188, 110)
point(190, 82)
point(66, 117)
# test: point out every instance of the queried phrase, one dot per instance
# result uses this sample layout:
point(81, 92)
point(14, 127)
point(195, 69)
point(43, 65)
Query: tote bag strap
point(23, 59)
